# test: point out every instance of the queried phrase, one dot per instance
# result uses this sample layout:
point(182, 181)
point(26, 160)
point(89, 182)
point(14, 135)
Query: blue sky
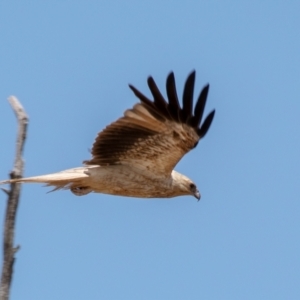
point(70, 62)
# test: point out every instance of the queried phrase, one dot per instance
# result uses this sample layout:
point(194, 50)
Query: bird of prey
point(135, 156)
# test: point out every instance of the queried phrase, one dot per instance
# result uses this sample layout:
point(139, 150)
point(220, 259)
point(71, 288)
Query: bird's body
point(98, 179)
point(135, 155)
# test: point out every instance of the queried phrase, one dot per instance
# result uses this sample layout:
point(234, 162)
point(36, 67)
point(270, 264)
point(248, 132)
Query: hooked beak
point(197, 195)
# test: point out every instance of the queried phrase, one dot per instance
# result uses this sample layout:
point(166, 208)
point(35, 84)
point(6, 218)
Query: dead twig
point(13, 200)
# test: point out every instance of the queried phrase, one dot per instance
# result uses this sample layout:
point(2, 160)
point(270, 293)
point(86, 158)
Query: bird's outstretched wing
point(154, 135)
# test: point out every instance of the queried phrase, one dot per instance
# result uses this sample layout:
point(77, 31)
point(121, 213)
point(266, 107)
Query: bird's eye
point(192, 186)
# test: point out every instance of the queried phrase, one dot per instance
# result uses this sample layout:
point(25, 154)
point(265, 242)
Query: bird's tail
point(74, 179)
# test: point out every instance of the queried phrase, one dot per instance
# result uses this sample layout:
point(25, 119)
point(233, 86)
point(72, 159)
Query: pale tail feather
point(74, 179)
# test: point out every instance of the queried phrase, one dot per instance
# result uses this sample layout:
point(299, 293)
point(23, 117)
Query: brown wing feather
point(151, 136)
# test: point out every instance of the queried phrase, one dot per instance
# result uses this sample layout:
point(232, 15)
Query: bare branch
point(13, 200)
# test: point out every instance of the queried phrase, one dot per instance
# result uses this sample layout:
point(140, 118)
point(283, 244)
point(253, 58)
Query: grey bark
point(13, 193)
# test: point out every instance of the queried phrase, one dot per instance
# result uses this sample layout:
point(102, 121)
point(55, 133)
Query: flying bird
point(135, 156)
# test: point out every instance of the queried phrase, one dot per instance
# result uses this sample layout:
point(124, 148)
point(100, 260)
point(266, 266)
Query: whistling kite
point(135, 156)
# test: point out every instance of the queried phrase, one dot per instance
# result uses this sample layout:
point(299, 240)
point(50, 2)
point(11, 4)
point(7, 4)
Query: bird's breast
point(123, 181)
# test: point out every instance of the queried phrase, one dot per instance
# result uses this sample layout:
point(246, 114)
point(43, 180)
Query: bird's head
point(182, 185)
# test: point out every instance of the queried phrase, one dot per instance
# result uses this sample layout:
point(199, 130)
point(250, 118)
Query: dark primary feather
point(159, 100)
point(199, 108)
point(142, 97)
point(150, 105)
point(187, 98)
point(154, 142)
point(174, 106)
point(206, 124)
